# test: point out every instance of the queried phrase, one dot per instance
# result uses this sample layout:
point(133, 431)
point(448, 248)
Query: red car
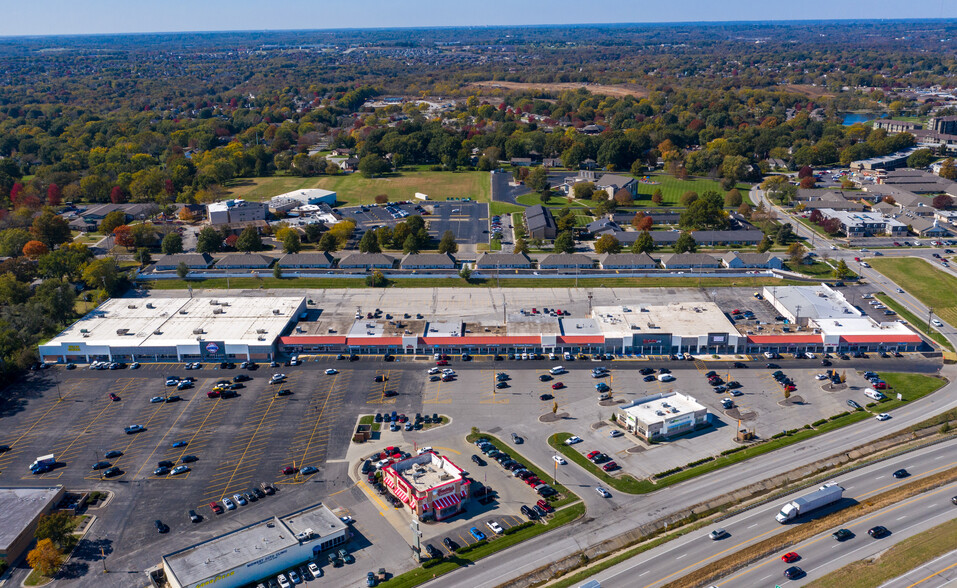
point(545, 506)
point(557, 386)
point(880, 386)
point(288, 470)
point(790, 557)
point(790, 388)
point(442, 362)
point(593, 454)
point(610, 466)
point(217, 509)
point(114, 397)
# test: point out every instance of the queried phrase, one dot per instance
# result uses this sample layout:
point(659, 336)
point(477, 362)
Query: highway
point(679, 557)
point(937, 573)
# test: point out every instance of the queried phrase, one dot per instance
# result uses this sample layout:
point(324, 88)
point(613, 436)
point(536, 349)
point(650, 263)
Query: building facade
point(662, 416)
point(235, 211)
point(429, 484)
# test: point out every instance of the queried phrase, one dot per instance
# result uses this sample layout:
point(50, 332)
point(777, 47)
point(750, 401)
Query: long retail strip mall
point(259, 326)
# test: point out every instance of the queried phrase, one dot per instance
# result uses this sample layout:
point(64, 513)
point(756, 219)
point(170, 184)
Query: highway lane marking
point(680, 556)
point(901, 518)
point(808, 543)
point(935, 573)
point(752, 526)
point(643, 573)
point(924, 474)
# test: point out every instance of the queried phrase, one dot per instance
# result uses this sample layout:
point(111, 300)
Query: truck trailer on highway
point(823, 496)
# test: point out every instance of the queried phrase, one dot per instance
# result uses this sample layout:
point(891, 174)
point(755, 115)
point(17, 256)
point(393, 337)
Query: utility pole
point(417, 539)
point(930, 314)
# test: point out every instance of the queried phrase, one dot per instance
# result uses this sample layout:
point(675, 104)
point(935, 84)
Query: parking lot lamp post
point(930, 316)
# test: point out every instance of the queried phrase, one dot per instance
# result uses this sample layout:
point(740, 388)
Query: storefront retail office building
point(430, 484)
point(177, 329)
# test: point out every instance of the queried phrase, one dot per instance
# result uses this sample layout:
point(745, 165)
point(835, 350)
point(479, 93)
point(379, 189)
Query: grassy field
point(911, 386)
point(672, 188)
point(554, 202)
point(900, 558)
point(355, 189)
point(915, 322)
point(927, 283)
point(504, 208)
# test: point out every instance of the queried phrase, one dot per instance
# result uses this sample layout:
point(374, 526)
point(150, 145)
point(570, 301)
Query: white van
point(873, 394)
point(665, 377)
point(567, 356)
point(557, 370)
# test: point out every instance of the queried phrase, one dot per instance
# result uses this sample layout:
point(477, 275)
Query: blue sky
point(48, 17)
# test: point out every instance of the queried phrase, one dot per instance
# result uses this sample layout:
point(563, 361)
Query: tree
point(564, 243)
point(465, 273)
point(342, 231)
point(118, 195)
point(565, 220)
point(808, 182)
point(733, 198)
point(537, 180)
point(642, 222)
point(657, 197)
point(45, 558)
point(645, 243)
point(56, 527)
point(376, 279)
point(34, 249)
point(50, 229)
point(313, 231)
point(381, 198)
point(369, 243)
point(123, 236)
point(65, 262)
point(103, 273)
point(688, 198)
point(685, 243)
point(12, 242)
point(373, 165)
point(520, 246)
point(785, 234)
point(186, 215)
point(57, 299)
point(805, 172)
point(920, 158)
point(623, 197)
point(328, 243)
point(54, 195)
point(172, 243)
point(209, 240)
point(142, 256)
point(12, 290)
point(291, 242)
point(706, 212)
point(943, 202)
point(796, 254)
point(583, 190)
point(447, 244)
point(607, 244)
point(841, 270)
point(765, 245)
point(410, 245)
point(948, 170)
point(182, 270)
point(249, 240)
point(277, 271)
point(111, 221)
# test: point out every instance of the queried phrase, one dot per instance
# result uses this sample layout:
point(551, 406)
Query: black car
point(772, 366)
point(544, 378)
point(189, 459)
point(378, 417)
point(825, 362)
point(390, 393)
point(901, 473)
point(113, 471)
point(793, 572)
point(853, 404)
point(878, 532)
point(649, 378)
point(101, 465)
point(193, 517)
point(451, 545)
point(646, 371)
point(258, 493)
point(711, 374)
point(283, 392)
point(842, 534)
point(739, 365)
point(478, 460)
point(242, 378)
point(160, 526)
point(545, 397)
point(433, 551)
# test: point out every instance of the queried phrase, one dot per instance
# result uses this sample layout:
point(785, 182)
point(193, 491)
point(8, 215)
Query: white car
point(422, 450)
point(448, 372)
point(495, 527)
point(833, 248)
point(602, 492)
point(156, 399)
point(615, 433)
point(229, 504)
point(820, 377)
point(434, 370)
point(314, 570)
point(900, 291)
point(135, 365)
point(331, 371)
point(240, 499)
point(559, 459)
point(572, 440)
point(883, 416)
point(283, 582)
point(347, 520)
point(665, 377)
point(279, 376)
point(181, 469)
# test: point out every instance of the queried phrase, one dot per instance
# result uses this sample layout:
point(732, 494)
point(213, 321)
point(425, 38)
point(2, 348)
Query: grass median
point(567, 495)
point(797, 533)
point(897, 560)
point(623, 483)
point(915, 322)
point(925, 282)
point(910, 386)
point(424, 574)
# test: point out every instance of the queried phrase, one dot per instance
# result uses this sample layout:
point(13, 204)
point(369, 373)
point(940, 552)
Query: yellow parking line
point(40, 420)
point(250, 442)
point(170, 428)
point(109, 405)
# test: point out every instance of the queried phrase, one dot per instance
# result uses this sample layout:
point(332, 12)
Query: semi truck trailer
point(823, 496)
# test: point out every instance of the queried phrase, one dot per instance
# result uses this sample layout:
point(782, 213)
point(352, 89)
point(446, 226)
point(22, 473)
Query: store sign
point(650, 341)
point(72, 347)
point(263, 560)
point(215, 579)
point(212, 348)
point(444, 490)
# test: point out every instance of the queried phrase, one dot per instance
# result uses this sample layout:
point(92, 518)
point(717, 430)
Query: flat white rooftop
point(168, 322)
point(684, 319)
point(812, 302)
point(659, 407)
point(427, 471)
point(861, 326)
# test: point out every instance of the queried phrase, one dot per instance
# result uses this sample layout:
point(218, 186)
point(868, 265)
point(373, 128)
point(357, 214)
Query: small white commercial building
point(235, 211)
point(256, 552)
point(177, 329)
point(662, 415)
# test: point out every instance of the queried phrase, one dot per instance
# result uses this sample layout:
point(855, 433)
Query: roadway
point(937, 573)
point(677, 558)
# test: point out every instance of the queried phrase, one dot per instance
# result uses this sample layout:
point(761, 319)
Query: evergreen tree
point(644, 243)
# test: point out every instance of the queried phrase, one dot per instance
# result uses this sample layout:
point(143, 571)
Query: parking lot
point(468, 221)
point(242, 441)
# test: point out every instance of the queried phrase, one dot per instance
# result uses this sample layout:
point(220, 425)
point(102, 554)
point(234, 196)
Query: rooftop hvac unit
point(213, 302)
point(122, 331)
point(261, 331)
point(217, 311)
point(84, 331)
point(149, 305)
point(224, 304)
point(85, 335)
point(157, 332)
point(131, 306)
point(198, 331)
point(275, 311)
point(182, 312)
point(261, 338)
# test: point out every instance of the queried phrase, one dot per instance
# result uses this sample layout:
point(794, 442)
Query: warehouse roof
point(18, 508)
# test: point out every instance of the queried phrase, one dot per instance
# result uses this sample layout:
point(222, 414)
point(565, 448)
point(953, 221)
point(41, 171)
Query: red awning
point(880, 338)
point(581, 339)
point(482, 340)
point(446, 502)
point(358, 341)
point(785, 339)
point(388, 482)
point(313, 340)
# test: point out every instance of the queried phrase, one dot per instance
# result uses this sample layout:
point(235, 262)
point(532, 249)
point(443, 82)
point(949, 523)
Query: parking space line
point(57, 404)
point(63, 453)
point(185, 408)
point(319, 418)
point(248, 445)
